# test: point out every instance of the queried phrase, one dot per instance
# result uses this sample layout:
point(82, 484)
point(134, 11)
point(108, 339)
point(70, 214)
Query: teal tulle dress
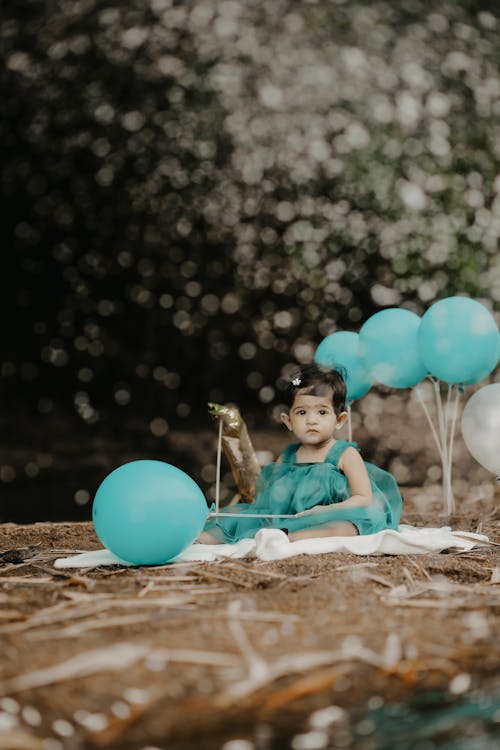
point(291, 487)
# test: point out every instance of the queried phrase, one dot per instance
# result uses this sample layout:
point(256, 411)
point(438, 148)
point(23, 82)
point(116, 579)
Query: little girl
point(323, 481)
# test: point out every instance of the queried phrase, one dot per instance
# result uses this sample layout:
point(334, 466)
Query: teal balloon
point(148, 512)
point(341, 349)
point(459, 340)
point(388, 348)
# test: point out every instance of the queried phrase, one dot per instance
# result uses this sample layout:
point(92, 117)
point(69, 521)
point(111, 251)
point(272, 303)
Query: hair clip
point(296, 381)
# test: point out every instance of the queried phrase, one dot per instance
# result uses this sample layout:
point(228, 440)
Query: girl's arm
point(354, 468)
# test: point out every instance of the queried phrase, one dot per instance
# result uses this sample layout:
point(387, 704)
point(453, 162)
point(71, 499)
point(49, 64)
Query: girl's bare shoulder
point(350, 457)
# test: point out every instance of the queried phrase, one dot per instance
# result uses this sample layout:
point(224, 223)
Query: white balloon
point(481, 427)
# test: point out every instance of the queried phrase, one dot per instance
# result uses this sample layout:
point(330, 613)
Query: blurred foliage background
point(196, 192)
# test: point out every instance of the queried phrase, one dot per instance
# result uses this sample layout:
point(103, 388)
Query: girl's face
point(312, 419)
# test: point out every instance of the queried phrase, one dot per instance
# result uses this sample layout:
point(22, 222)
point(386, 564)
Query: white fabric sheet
point(273, 544)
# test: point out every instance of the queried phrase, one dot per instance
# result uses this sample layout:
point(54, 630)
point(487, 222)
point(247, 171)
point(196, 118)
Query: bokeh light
point(196, 195)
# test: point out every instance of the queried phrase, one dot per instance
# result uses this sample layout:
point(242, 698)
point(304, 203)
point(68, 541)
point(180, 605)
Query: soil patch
point(202, 652)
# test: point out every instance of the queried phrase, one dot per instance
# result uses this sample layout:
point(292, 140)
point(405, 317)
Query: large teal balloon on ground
point(458, 340)
point(341, 349)
point(147, 512)
point(388, 348)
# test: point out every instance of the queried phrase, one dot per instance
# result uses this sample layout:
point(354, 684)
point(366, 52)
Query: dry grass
point(158, 655)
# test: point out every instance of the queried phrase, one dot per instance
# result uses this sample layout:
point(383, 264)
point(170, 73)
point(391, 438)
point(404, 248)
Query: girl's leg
point(207, 538)
point(339, 528)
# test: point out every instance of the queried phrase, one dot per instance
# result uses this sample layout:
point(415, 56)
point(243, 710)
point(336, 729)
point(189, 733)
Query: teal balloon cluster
point(456, 340)
point(341, 348)
point(388, 348)
point(459, 340)
point(147, 512)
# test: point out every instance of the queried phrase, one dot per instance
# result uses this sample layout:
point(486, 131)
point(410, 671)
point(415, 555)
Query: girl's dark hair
point(315, 380)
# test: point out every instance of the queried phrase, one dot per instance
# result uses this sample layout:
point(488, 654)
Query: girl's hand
point(310, 511)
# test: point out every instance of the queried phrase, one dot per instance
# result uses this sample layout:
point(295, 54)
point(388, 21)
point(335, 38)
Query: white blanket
point(273, 544)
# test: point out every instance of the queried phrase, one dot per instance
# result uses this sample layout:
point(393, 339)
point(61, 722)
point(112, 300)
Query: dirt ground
point(199, 654)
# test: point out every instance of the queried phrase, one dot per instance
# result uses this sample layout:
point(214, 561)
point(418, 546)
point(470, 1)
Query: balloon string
point(349, 423)
point(429, 419)
point(439, 409)
point(252, 515)
point(217, 478)
point(443, 428)
point(450, 447)
point(447, 469)
point(448, 402)
point(448, 437)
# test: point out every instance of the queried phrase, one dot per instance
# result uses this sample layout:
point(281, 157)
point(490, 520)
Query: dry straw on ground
point(130, 656)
